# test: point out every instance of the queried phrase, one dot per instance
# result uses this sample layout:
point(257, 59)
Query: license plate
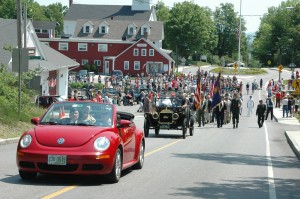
point(165, 126)
point(57, 159)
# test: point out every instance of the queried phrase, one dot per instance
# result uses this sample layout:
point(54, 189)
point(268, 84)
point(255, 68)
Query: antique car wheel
point(115, 174)
point(140, 162)
point(191, 126)
point(27, 175)
point(146, 127)
point(156, 131)
point(184, 128)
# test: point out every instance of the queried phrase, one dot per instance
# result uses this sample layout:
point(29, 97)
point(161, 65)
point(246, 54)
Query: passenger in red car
point(86, 117)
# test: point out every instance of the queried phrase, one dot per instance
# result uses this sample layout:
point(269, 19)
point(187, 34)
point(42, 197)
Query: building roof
point(44, 24)
point(8, 35)
point(119, 29)
point(118, 12)
point(51, 59)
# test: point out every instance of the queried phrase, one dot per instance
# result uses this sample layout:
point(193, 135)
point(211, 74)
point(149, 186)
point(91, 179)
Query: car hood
point(65, 136)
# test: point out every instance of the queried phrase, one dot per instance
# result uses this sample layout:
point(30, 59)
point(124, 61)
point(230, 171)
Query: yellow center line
point(57, 193)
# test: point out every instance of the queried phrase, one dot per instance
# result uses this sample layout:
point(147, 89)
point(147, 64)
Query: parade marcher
point(296, 105)
point(241, 100)
point(235, 110)
point(247, 88)
point(261, 83)
point(253, 87)
point(290, 105)
point(219, 111)
point(200, 113)
point(269, 104)
point(260, 111)
point(227, 115)
point(250, 105)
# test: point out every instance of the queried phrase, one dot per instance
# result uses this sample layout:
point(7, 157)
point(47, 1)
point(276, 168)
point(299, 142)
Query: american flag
point(197, 100)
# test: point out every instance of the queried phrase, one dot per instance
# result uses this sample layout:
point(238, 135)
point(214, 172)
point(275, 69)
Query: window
point(144, 52)
point(131, 31)
point(82, 47)
point(97, 62)
point(136, 52)
point(137, 65)
point(84, 61)
point(63, 46)
point(102, 47)
point(145, 30)
point(103, 30)
point(126, 65)
point(151, 52)
point(45, 31)
point(87, 29)
point(38, 30)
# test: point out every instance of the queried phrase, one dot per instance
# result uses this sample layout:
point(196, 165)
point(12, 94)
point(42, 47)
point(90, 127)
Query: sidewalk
point(293, 137)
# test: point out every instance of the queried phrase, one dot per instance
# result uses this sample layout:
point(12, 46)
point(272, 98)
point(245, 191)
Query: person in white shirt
point(250, 105)
point(285, 106)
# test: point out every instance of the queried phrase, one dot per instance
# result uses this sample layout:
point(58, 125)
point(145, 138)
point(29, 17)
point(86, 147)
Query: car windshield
point(79, 114)
point(168, 99)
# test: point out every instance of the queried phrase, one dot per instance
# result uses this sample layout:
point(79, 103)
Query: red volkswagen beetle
point(82, 138)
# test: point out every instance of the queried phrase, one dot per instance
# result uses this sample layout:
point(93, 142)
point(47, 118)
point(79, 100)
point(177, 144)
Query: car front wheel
point(184, 128)
point(115, 174)
point(146, 127)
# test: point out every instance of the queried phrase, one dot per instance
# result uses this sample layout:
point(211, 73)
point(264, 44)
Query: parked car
point(117, 74)
point(81, 138)
point(47, 100)
point(82, 75)
point(231, 64)
point(169, 114)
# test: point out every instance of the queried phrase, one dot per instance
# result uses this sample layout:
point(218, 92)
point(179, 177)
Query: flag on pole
point(216, 98)
point(197, 99)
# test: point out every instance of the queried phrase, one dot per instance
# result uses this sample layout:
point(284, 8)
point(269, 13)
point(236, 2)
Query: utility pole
point(19, 37)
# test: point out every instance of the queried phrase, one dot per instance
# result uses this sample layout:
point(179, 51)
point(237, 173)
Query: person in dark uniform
point(235, 110)
point(201, 112)
point(219, 111)
point(260, 112)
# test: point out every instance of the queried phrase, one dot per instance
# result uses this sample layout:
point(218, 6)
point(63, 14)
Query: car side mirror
point(35, 120)
point(123, 123)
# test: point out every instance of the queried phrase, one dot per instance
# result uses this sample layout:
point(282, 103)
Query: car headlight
point(25, 141)
point(101, 143)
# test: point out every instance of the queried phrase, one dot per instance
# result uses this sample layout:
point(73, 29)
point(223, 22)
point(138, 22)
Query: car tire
point(156, 131)
point(184, 128)
point(115, 174)
point(146, 127)
point(27, 175)
point(141, 157)
point(191, 126)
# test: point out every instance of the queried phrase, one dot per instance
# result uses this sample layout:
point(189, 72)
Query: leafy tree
point(8, 9)
point(189, 29)
point(227, 26)
point(162, 11)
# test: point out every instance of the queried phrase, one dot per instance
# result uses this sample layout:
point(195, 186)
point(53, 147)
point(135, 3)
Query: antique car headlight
point(155, 115)
point(25, 141)
point(101, 143)
point(175, 116)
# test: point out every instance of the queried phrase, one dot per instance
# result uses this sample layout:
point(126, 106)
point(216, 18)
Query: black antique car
point(46, 100)
point(169, 114)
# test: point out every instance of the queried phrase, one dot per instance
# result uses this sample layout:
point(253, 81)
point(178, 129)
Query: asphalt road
point(248, 162)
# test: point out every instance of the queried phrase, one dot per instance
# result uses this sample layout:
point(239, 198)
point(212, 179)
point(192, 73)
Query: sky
point(249, 7)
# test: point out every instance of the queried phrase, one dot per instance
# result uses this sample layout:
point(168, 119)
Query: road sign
point(269, 62)
point(235, 65)
point(280, 67)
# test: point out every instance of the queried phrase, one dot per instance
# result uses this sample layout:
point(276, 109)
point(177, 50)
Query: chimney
point(70, 3)
point(146, 35)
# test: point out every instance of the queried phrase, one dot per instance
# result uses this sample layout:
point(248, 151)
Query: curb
point(293, 144)
point(9, 141)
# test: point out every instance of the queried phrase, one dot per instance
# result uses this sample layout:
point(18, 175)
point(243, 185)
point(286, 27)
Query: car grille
point(165, 117)
point(26, 164)
point(92, 167)
point(63, 168)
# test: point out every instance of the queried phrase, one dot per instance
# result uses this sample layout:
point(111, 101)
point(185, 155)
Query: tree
point(227, 27)
point(189, 28)
point(162, 11)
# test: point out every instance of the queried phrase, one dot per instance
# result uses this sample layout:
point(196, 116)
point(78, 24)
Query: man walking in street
point(201, 112)
point(270, 105)
point(260, 111)
point(250, 105)
point(235, 110)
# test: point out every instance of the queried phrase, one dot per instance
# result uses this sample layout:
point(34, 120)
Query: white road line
point(271, 182)
point(272, 189)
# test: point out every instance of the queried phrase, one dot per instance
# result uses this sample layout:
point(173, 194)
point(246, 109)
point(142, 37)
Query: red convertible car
point(82, 138)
